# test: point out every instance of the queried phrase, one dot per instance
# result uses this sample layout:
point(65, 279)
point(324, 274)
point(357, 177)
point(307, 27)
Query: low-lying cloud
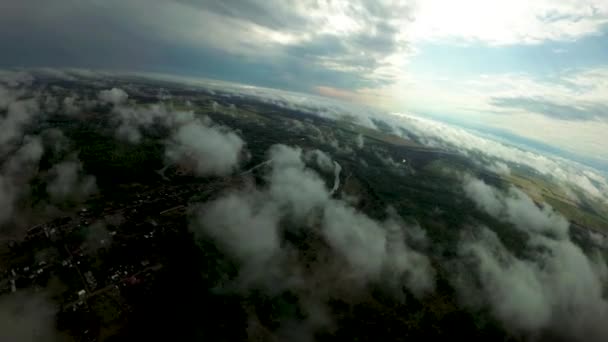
point(27, 317)
point(556, 290)
point(249, 225)
point(323, 161)
point(69, 183)
point(516, 207)
point(194, 142)
point(19, 113)
point(114, 96)
point(568, 173)
point(15, 173)
point(213, 150)
point(22, 148)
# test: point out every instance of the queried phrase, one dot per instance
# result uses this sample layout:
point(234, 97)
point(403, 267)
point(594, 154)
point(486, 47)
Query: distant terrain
point(147, 208)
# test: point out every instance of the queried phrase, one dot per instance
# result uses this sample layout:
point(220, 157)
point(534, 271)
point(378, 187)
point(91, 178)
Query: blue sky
point(534, 69)
point(462, 60)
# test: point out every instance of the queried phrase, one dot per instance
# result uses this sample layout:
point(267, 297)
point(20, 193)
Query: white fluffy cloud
point(360, 141)
point(359, 238)
point(212, 150)
point(194, 142)
point(513, 287)
point(298, 189)
point(245, 225)
point(15, 173)
point(68, 182)
point(132, 119)
point(19, 113)
point(22, 105)
point(540, 295)
point(537, 294)
point(322, 160)
point(114, 96)
point(248, 224)
point(516, 207)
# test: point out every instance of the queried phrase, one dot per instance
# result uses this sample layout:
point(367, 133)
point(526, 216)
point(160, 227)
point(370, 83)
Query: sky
point(535, 69)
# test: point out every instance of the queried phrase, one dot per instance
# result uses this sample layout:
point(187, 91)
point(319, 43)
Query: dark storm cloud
point(231, 40)
point(286, 15)
point(554, 110)
point(79, 33)
point(269, 13)
point(355, 57)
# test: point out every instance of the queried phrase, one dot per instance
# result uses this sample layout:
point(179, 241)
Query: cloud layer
point(516, 207)
point(568, 173)
point(195, 143)
point(213, 150)
point(537, 294)
point(249, 224)
point(336, 43)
